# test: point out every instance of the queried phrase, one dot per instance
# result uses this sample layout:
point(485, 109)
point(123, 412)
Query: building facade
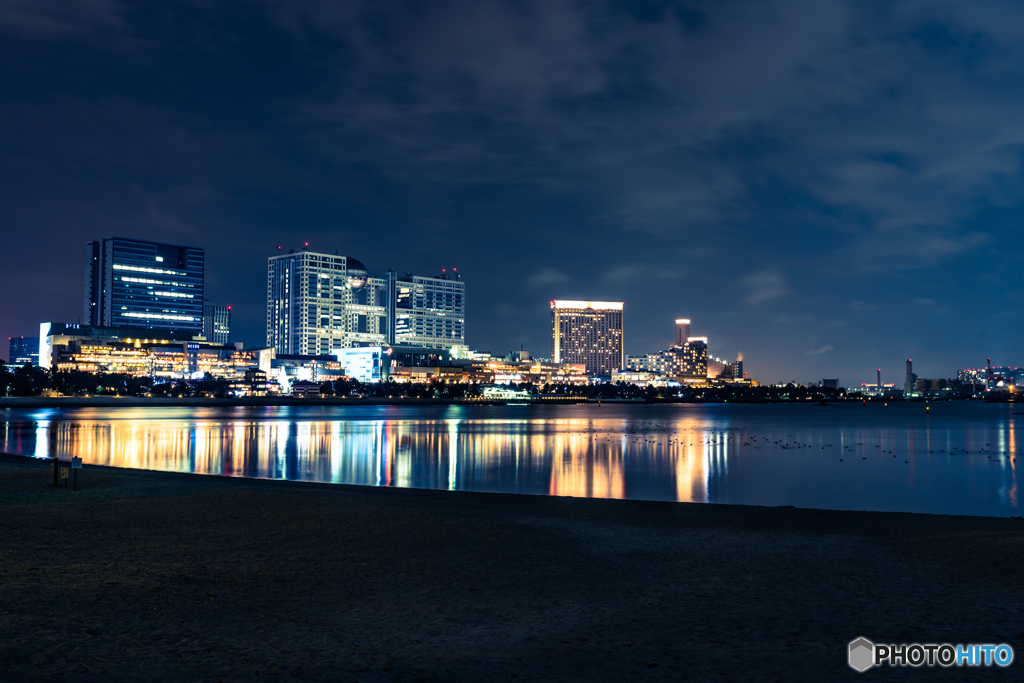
point(430, 311)
point(140, 284)
point(217, 324)
point(588, 333)
point(23, 351)
point(320, 303)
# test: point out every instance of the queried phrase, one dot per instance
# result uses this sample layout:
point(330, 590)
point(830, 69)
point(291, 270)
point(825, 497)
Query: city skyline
point(825, 201)
point(223, 313)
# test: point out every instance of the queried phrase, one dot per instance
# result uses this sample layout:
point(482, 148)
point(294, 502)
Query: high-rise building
point(682, 331)
point(320, 303)
point(317, 303)
point(908, 383)
point(430, 311)
point(23, 351)
point(695, 358)
point(588, 333)
point(217, 324)
point(149, 285)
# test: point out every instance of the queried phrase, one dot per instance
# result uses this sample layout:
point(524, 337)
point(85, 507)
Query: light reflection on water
point(958, 458)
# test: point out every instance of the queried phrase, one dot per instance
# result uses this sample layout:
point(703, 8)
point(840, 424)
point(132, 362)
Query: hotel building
point(140, 284)
point(588, 333)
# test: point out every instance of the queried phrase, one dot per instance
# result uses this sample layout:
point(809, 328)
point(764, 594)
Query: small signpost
point(62, 471)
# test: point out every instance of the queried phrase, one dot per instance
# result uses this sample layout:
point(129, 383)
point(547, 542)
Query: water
point(959, 459)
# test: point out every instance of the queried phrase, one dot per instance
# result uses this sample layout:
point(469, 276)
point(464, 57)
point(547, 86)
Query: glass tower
point(148, 285)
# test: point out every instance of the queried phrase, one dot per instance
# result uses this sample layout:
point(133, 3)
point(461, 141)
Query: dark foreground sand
point(144, 576)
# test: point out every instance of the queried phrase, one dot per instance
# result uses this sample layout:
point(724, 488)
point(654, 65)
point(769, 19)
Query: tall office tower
point(317, 303)
point(23, 351)
point(682, 331)
point(588, 333)
point(430, 311)
point(217, 324)
point(149, 285)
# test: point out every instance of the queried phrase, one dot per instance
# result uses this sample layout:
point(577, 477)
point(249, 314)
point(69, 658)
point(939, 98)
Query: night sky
point(827, 187)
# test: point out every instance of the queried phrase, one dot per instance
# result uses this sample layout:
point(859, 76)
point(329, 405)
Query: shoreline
point(157, 575)
point(136, 402)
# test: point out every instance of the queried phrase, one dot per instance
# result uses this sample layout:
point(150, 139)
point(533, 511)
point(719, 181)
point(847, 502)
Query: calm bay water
point(958, 458)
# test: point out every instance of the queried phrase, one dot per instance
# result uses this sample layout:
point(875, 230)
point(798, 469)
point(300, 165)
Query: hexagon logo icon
point(861, 654)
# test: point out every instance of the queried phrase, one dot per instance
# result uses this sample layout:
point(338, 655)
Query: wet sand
point(160, 576)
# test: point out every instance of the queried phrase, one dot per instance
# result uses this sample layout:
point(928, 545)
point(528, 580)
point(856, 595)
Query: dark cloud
point(755, 166)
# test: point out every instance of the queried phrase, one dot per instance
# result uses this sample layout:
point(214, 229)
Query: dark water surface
point(958, 458)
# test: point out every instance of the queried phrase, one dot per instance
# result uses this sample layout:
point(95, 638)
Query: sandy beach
point(166, 577)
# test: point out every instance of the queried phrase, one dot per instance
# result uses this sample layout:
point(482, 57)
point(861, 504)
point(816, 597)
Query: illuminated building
point(217, 324)
point(140, 284)
point(318, 303)
point(588, 333)
point(23, 351)
point(682, 331)
point(364, 364)
point(978, 378)
point(642, 378)
point(139, 352)
point(430, 311)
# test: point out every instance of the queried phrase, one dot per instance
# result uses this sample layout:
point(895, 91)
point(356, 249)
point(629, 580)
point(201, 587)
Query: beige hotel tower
point(588, 333)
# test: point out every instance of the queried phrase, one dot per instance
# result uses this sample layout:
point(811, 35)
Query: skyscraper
point(695, 358)
point(217, 324)
point(430, 311)
point(320, 303)
point(908, 383)
point(317, 303)
point(682, 331)
point(149, 285)
point(588, 333)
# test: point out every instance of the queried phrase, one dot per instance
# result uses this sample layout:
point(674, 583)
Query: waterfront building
point(318, 303)
point(694, 359)
point(643, 378)
point(139, 352)
point(321, 303)
point(141, 284)
point(682, 331)
point(589, 333)
point(217, 324)
point(430, 311)
point(978, 378)
point(23, 351)
point(638, 363)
